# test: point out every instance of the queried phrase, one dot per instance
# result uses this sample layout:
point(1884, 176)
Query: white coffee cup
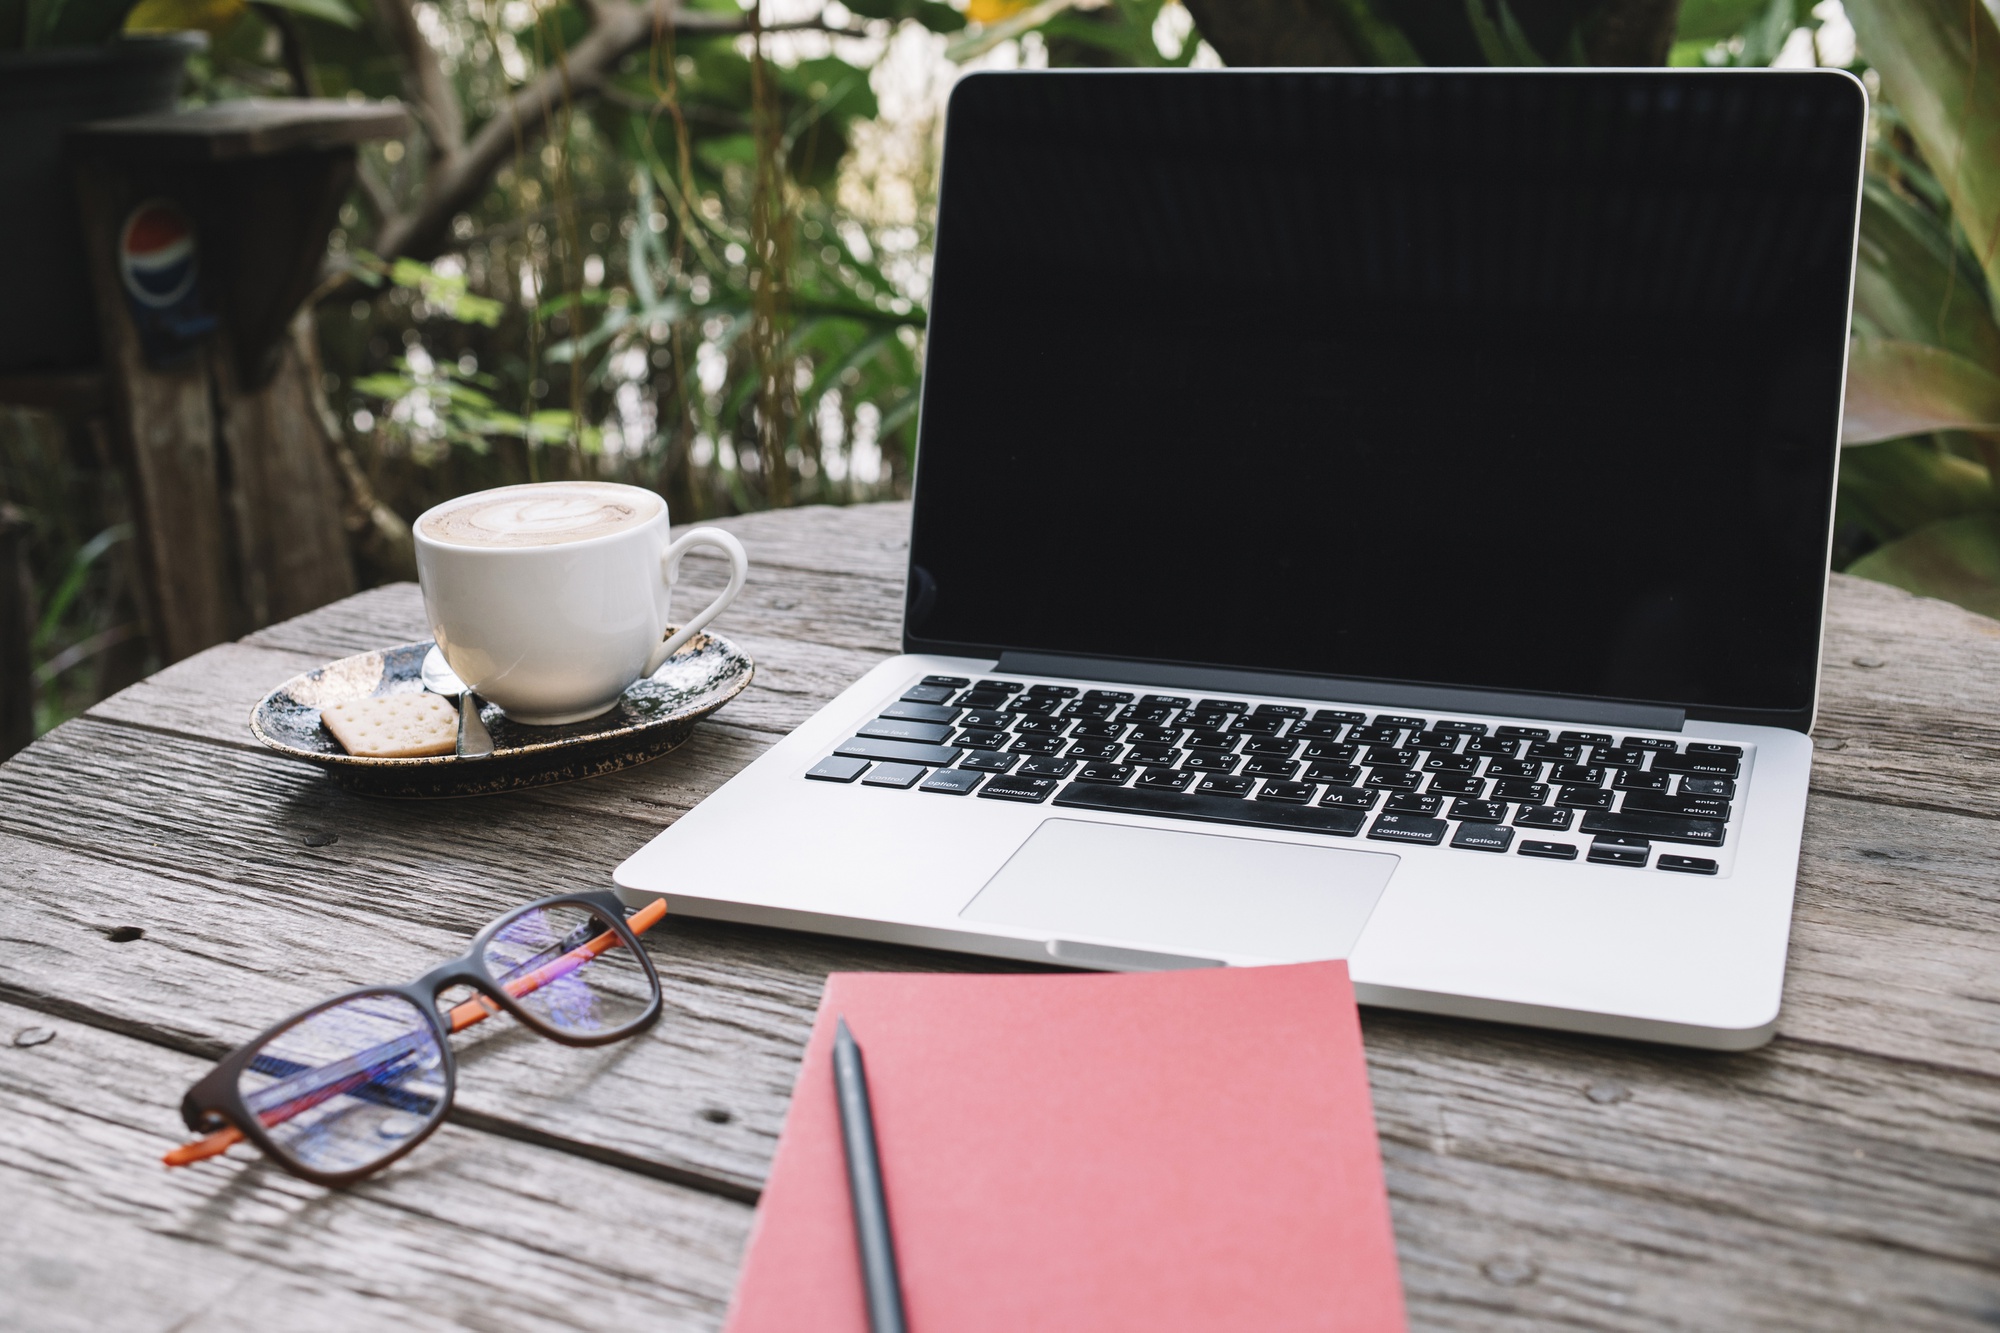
point(550, 599)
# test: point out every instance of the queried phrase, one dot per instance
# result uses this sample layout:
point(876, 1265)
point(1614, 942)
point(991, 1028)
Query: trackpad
point(1188, 893)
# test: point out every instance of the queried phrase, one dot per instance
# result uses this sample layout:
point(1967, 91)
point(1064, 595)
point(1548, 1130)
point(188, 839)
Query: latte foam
point(542, 514)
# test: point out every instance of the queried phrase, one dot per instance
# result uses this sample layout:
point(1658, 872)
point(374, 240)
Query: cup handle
point(670, 570)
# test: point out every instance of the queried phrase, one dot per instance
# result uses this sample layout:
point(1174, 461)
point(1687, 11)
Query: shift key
point(901, 752)
point(906, 729)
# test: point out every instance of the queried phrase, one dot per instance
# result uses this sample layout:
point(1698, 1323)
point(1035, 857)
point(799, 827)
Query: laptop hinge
point(1429, 698)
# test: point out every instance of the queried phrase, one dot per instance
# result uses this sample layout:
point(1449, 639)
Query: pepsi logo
point(156, 255)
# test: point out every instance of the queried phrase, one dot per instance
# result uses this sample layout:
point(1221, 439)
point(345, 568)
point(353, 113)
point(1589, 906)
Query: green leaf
point(1894, 488)
point(1904, 388)
point(1711, 21)
point(1912, 283)
point(330, 11)
point(1957, 559)
point(1940, 64)
point(937, 17)
point(384, 386)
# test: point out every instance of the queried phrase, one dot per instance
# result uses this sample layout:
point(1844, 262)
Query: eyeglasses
point(348, 1086)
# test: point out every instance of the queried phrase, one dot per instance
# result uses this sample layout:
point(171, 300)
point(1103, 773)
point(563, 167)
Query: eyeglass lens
point(343, 1088)
point(570, 970)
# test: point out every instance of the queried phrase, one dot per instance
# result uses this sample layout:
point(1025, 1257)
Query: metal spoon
point(474, 741)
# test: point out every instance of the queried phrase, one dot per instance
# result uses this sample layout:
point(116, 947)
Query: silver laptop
point(1378, 515)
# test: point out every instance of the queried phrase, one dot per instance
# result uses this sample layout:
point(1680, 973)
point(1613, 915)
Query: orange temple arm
point(462, 1016)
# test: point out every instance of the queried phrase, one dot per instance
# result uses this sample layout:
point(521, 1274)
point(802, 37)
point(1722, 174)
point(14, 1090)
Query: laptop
point(1378, 515)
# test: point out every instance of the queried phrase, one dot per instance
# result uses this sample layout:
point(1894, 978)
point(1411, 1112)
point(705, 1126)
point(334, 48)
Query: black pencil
point(864, 1186)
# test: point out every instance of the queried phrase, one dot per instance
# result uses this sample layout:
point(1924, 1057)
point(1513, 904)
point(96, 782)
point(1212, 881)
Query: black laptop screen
point(1511, 381)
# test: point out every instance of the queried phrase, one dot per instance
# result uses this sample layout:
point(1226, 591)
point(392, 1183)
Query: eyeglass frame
point(217, 1098)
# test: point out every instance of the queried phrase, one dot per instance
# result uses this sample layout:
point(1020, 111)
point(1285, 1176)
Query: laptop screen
point(1514, 381)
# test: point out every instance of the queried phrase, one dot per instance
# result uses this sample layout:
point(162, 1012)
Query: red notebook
point(1175, 1150)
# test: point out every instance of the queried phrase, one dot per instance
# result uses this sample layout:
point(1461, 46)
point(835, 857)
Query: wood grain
point(1844, 1177)
point(474, 1231)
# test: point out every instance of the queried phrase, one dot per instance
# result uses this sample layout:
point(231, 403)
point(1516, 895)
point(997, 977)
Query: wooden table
point(167, 887)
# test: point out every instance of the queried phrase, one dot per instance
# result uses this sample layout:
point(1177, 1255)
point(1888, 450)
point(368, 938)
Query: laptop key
point(1210, 740)
point(1154, 735)
point(1555, 752)
point(1094, 750)
point(1374, 735)
point(1687, 865)
point(1628, 780)
point(1217, 785)
point(1524, 733)
point(1584, 738)
point(1143, 800)
point(1044, 767)
point(1577, 775)
point(1350, 798)
point(1543, 816)
point(902, 752)
point(1280, 710)
point(1530, 769)
point(894, 775)
point(1400, 720)
point(1435, 740)
point(1164, 755)
point(1041, 726)
point(986, 762)
point(1662, 828)
point(1207, 761)
point(1295, 793)
point(1464, 728)
point(1703, 787)
point(900, 729)
point(1331, 750)
point(1700, 765)
point(1479, 812)
point(1414, 803)
point(1483, 837)
point(981, 740)
point(949, 682)
point(1394, 779)
point(1610, 757)
point(1451, 763)
point(1388, 756)
point(1037, 744)
point(1018, 787)
point(1648, 743)
point(1617, 854)
point(987, 719)
point(952, 781)
point(1710, 748)
point(1271, 745)
point(1339, 775)
point(1115, 774)
point(1697, 807)
point(921, 712)
point(1585, 798)
point(1257, 724)
point(1517, 789)
point(1014, 687)
point(1098, 731)
point(1268, 766)
point(1392, 827)
point(837, 769)
point(1338, 715)
point(1554, 851)
point(1496, 746)
point(928, 694)
point(1166, 779)
point(1317, 731)
point(1446, 784)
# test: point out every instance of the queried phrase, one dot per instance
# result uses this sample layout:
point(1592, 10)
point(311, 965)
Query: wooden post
point(235, 496)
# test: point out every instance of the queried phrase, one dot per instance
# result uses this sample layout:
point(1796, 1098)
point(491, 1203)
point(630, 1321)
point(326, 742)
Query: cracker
point(393, 726)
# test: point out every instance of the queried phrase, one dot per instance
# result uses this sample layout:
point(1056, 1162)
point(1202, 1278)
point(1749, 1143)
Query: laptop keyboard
point(1392, 777)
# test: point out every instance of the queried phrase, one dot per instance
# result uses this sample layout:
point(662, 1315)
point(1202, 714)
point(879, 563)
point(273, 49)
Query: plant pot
point(46, 318)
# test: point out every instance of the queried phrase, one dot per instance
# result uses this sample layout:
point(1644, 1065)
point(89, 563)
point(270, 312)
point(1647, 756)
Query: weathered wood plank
point(471, 1231)
point(1536, 1179)
point(1910, 701)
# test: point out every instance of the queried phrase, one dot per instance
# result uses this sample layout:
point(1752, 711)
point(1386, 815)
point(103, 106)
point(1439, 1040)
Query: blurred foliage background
point(688, 246)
